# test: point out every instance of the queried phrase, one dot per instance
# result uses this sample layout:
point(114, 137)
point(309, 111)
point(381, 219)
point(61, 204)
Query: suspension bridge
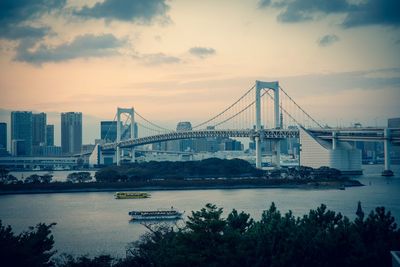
point(264, 112)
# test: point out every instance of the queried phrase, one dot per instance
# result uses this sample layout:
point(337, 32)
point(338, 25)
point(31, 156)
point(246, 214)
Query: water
point(94, 223)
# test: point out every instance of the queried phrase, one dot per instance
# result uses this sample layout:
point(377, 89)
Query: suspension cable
point(308, 115)
point(286, 112)
point(219, 114)
point(245, 108)
point(153, 124)
point(148, 128)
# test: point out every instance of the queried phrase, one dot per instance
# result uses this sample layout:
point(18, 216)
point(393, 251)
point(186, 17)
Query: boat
point(342, 187)
point(171, 214)
point(131, 195)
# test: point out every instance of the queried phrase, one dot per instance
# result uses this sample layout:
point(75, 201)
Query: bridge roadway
point(341, 134)
point(266, 134)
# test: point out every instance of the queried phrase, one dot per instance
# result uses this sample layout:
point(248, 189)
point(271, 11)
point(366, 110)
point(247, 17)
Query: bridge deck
point(342, 134)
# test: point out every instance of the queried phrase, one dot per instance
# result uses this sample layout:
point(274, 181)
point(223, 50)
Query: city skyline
point(180, 56)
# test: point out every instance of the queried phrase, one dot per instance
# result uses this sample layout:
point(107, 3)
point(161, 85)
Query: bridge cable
point(153, 124)
point(234, 115)
point(308, 115)
point(148, 128)
point(219, 114)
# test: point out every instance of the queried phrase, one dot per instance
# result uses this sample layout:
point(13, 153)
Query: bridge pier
point(118, 155)
point(257, 140)
point(120, 111)
point(277, 154)
point(334, 140)
point(387, 147)
point(133, 155)
point(275, 87)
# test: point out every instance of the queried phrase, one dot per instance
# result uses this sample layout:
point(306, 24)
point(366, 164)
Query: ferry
point(131, 195)
point(156, 214)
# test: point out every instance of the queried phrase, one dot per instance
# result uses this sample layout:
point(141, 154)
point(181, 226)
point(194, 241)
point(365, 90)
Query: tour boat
point(156, 214)
point(131, 195)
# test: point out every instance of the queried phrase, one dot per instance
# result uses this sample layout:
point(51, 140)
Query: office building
point(21, 133)
point(108, 130)
point(71, 132)
point(39, 122)
point(3, 135)
point(50, 135)
point(395, 123)
point(186, 144)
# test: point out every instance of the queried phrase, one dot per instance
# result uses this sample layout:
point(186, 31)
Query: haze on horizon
point(184, 60)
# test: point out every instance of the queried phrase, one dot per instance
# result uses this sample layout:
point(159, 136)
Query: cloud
point(157, 59)
point(15, 14)
point(16, 11)
point(328, 40)
point(126, 10)
point(374, 12)
point(360, 13)
point(21, 32)
point(83, 46)
point(202, 52)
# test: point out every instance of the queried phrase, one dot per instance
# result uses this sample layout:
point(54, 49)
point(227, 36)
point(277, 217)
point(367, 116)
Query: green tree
point(79, 177)
point(30, 248)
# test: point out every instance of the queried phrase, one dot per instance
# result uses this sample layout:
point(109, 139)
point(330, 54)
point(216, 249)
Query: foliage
point(79, 177)
point(212, 167)
point(320, 238)
point(38, 179)
point(30, 248)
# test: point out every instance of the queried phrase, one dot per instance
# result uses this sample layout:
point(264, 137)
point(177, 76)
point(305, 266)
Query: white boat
point(156, 214)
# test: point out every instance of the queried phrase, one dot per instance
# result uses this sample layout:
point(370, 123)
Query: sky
point(185, 60)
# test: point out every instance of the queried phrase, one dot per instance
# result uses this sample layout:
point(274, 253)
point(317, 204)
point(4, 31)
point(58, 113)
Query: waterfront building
point(71, 132)
point(44, 163)
point(47, 151)
point(50, 135)
point(39, 122)
point(3, 137)
point(21, 133)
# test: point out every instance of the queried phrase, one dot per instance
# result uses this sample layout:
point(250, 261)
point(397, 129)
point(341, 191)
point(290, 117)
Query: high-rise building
point(395, 123)
point(3, 135)
point(186, 144)
point(108, 130)
point(21, 133)
point(71, 132)
point(39, 129)
point(50, 135)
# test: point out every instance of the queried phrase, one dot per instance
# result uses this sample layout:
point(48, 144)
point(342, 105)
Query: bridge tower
point(118, 151)
point(275, 87)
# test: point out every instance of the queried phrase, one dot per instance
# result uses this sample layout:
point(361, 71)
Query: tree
point(79, 177)
point(30, 248)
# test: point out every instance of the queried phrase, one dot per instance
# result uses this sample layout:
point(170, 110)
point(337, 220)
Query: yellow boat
point(131, 195)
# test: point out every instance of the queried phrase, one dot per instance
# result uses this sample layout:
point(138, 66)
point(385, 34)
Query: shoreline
point(318, 185)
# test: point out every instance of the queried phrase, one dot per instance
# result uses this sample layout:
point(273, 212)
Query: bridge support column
point(259, 86)
point(118, 155)
point(133, 155)
point(387, 148)
point(277, 154)
point(334, 140)
point(258, 126)
point(257, 139)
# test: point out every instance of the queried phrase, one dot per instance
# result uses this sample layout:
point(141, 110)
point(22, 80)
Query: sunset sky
point(184, 60)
